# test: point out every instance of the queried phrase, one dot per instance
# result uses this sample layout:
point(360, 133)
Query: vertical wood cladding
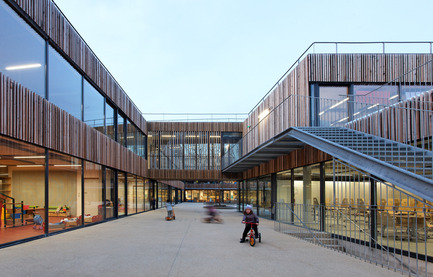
point(26, 116)
point(51, 20)
point(189, 129)
point(291, 107)
point(407, 121)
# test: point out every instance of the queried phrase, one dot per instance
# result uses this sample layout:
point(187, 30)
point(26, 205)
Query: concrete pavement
point(147, 245)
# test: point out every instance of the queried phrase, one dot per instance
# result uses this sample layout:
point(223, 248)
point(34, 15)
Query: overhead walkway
point(405, 166)
point(147, 245)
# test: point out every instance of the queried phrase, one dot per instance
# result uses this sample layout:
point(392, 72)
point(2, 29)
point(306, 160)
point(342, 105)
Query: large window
point(140, 194)
point(64, 210)
point(264, 185)
point(110, 121)
point(132, 194)
point(110, 196)
point(22, 51)
point(64, 84)
point(333, 105)
point(94, 104)
point(121, 130)
point(22, 181)
point(93, 185)
point(121, 193)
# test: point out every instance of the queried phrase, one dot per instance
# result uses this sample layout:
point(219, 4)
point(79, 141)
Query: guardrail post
point(373, 212)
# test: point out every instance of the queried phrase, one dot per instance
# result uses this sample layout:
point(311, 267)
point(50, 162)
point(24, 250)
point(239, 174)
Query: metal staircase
point(403, 165)
point(407, 157)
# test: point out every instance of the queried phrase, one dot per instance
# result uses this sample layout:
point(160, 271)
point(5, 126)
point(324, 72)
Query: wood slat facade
point(28, 117)
point(185, 174)
point(62, 36)
point(290, 106)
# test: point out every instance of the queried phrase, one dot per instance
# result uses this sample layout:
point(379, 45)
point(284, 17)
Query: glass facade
point(64, 84)
point(186, 150)
point(110, 192)
point(64, 205)
point(22, 51)
point(22, 189)
point(94, 104)
point(121, 193)
point(93, 193)
point(110, 121)
point(132, 194)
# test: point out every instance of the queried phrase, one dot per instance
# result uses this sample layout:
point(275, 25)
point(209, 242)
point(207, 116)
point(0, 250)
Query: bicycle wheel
point(252, 241)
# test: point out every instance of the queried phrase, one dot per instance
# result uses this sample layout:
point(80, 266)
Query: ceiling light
point(29, 157)
point(395, 96)
point(24, 66)
point(67, 165)
point(29, 165)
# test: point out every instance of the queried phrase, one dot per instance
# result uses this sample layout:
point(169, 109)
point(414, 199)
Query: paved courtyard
point(147, 245)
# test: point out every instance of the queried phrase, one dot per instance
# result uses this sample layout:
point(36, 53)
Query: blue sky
point(223, 56)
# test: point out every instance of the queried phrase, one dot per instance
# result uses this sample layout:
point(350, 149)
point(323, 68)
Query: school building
point(340, 145)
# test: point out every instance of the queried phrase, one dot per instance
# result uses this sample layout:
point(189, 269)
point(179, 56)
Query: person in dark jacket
point(249, 217)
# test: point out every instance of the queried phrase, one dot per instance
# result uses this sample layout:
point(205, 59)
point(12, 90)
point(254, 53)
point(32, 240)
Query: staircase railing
point(280, 225)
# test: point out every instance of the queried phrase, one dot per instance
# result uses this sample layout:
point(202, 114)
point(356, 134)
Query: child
point(169, 207)
point(249, 217)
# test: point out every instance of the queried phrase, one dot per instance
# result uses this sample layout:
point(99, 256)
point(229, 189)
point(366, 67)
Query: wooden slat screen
point(26, 116)
point(51, 21)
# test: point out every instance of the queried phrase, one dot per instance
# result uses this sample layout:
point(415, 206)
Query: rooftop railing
point(405, 115)
point(341, 47)
point(195, 117)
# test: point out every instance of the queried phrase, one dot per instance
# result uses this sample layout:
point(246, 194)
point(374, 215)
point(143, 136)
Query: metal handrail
point(365, 106)
point(312, 45)
point(371, 238)
point(305, 225)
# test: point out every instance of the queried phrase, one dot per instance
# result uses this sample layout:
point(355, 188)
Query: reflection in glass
point(22, 179)
point(121, 193)
point(110, 198)
point(121, 130)
point(252, 194)
point(132, 194)
point(22, 51)
point(64, 210)
point(131, 137)
point(264, 185)
point(140, 194)
point(147, 194)
point(93, 185)
point(64, 84)
point(333, 105)
point(110, 121)
point(93, 107)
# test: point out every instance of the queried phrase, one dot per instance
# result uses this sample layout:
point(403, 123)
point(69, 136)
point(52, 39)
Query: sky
point(223, 56)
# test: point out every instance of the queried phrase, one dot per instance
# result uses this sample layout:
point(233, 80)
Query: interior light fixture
point(3, 166)
point(29, 157)
point(375, 105)
point(23, 66)
point(263, 114)
point(392, 97)
point(214, 136)
point(356, 113)
point(29, 165)
point(343, 119)
point(168, 136)
point(68, 165)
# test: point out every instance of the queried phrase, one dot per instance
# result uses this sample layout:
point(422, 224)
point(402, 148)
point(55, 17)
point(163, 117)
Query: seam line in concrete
point(178, 250)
